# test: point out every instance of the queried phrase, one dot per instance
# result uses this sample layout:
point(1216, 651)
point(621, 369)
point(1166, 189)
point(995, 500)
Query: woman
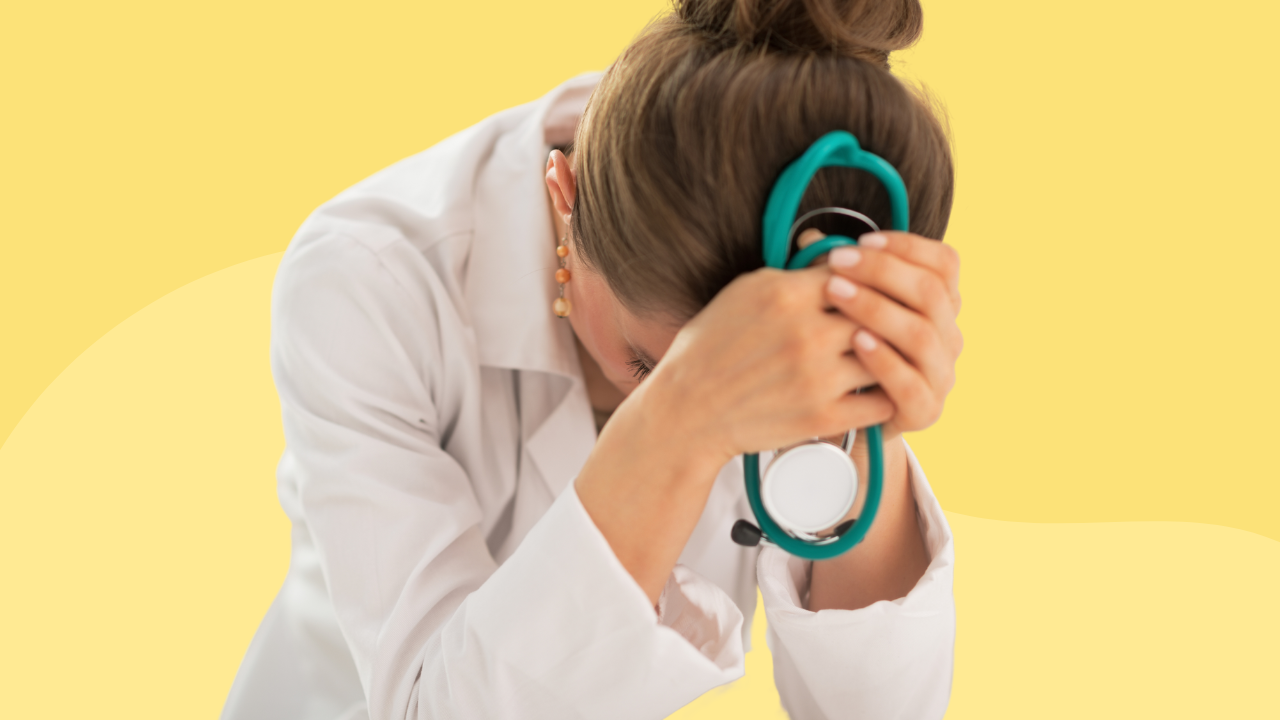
point(464, 545)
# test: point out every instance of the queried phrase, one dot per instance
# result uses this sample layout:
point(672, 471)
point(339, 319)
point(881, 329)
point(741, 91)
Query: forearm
point(645, 485)
point(892, 557)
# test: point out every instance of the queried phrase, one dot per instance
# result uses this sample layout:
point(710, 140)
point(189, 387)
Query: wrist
point(646, 483)
point(892, 558)
point(896, 479)
point(669, 418)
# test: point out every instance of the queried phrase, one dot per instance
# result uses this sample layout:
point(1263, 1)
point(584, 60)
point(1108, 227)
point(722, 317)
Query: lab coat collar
point(511, 284)
point(510, 274)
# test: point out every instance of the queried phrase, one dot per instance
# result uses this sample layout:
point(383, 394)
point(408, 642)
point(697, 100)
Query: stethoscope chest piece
point(809, 488)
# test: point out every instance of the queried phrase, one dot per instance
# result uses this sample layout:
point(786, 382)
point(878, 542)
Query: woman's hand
point(764, 365)
point(903, 292)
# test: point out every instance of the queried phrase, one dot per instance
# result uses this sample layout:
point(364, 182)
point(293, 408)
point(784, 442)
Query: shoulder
point(398, 250)
point(345, 292)
point(401, 230)
point(391, 247)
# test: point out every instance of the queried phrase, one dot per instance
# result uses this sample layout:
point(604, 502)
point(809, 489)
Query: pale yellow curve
point(142, 542)
point(1093, 620)
point(141, 536)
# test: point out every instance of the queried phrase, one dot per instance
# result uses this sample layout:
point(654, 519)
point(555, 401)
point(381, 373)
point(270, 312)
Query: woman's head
point(687, 132)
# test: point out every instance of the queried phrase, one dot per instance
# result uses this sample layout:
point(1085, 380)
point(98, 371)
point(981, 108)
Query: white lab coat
point(435, 417)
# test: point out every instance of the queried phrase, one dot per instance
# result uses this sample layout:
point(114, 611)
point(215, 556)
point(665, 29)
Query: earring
point(561, 306)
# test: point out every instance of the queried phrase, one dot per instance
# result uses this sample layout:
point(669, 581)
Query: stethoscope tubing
point(834, 546)
point(838, 149)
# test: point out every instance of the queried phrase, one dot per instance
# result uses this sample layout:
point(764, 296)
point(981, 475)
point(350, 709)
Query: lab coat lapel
point(560, 444)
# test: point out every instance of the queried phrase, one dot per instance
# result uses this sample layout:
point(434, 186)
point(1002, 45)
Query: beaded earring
point(561, 306)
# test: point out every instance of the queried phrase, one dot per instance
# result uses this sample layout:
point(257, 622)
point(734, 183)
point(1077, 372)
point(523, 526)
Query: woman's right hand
point(767, 363)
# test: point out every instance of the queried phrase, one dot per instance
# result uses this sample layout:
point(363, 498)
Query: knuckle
point(921, 335)
point(917, 397)
point(935, 413)
point(915, 420)
point(950, 260)
point(884, 411)
point(931, 409)
point(874, 263)
point(932, 293)
point(875, 310)
point(949, 378)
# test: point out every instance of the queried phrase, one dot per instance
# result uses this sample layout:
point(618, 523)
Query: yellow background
point(1106, 460)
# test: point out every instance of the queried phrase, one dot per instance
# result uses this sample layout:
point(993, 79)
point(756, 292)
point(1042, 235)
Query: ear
point(561, 184)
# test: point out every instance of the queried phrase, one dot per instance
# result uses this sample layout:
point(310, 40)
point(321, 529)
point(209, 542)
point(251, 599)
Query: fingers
point(809, 237)
point(872, 407)
point(823, 352)
point(932, 254)
point(901, 292)
point(911, 333)
point(853, 375)
point(912, 285)
point(917, 404)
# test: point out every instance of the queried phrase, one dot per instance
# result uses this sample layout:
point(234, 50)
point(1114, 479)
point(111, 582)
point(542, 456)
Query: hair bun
point(867, 29)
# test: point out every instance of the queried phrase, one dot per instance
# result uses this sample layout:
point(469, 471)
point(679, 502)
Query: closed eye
point(639, 368)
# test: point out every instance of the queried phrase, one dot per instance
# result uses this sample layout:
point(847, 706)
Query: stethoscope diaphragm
point(810, 487)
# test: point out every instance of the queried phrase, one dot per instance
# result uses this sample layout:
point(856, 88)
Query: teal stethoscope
point(811, 486)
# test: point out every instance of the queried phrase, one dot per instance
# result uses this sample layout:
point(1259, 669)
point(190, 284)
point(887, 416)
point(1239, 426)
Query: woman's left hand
point(902, 290)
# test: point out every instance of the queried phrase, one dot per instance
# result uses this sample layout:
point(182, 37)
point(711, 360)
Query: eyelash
point(639, 368)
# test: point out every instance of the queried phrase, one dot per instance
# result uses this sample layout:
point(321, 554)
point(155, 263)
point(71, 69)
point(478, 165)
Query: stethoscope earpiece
point(807, 489)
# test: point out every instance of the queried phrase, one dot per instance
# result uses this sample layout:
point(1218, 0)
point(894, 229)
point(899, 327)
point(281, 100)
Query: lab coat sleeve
point(436, 628)
point(892, 659)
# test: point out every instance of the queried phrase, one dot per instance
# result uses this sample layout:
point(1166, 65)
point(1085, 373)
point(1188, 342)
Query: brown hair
point(685, 135)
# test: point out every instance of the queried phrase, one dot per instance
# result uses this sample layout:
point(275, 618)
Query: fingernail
point(873, 240)
point(844, 257)
point(841, 288)
point(864, 340)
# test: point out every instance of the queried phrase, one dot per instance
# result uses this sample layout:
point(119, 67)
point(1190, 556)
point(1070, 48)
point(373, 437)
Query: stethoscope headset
point(810, 486)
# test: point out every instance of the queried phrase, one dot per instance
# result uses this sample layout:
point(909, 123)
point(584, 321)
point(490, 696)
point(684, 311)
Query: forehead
point(650, 334)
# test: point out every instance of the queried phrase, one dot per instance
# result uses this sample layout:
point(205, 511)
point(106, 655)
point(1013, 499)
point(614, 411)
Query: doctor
point(517, 370)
